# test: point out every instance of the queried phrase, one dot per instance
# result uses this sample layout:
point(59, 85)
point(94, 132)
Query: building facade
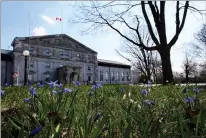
point(60, 57)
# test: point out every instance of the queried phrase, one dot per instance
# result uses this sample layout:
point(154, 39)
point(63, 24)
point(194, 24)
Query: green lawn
point(106, 112)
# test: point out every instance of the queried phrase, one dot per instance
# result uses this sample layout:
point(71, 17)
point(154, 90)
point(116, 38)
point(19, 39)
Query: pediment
point(55, 40)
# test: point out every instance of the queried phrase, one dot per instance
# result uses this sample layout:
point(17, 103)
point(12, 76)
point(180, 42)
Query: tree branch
point(148, 23)
point(174, 39)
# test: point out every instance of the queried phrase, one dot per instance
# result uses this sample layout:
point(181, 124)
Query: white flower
point(34, 115)
point(129, 94)
point(132, 101)
point(139, 106)
point(124, 96)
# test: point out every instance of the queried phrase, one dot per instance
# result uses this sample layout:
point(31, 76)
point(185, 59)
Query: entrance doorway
point(74, 77)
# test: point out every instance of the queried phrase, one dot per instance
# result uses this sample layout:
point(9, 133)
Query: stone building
point(60, 57)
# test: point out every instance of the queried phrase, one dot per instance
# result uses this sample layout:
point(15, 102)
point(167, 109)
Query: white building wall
point(105, 69)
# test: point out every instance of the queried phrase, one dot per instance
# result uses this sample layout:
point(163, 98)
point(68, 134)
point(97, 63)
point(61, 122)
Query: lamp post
point(26, 54)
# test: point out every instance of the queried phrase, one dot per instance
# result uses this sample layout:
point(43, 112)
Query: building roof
point(6, 52)
point(6, 55)
point(50, 36)
point(103, 62)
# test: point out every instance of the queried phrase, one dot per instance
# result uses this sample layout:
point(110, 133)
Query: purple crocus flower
point(197, 90)
point(52, 84)
point(35, 131)
point(40, 85)
point(66, 90)
point(32, 91)
point(2, 93)
point(144, 92)
point(149, 83)
point(97, 86)
point(189, 99)
point(148, 102)
point(59, 85)
point(122, 90)
point(77, 83)
point(97, 116)
point(27, 100)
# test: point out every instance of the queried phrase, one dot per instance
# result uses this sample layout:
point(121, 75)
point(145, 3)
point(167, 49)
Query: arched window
point(122, 76)
point(118, 78)
point(112, 76)
point(106, 75)
point(101, 76)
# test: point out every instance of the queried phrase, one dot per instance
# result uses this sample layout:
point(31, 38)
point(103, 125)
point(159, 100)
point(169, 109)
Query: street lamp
point(26, 54)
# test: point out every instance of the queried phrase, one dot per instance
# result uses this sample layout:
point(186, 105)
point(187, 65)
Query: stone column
point(68, 75)
point(80, 74)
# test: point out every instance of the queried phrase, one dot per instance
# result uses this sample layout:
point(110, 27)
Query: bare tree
point(201, 35)
point(189, 66)
point(140, 58)
point(110, 14)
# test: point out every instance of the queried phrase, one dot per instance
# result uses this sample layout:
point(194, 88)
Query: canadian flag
point(15, 75)
point(60, 19)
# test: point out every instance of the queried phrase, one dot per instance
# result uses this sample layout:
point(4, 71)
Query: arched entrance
point(74, 77)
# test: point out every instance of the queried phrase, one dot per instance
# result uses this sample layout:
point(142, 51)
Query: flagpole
point(62, 21)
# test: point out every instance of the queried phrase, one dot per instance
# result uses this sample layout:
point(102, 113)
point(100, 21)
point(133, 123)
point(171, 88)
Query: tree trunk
point(186, 75)
point(166, 65)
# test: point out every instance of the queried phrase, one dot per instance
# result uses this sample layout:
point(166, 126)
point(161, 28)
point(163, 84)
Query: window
point(31, 65)
point(61, 53)
point(67, 54)
point(128, 76)
point(31, 49)
point(118, 78)
point(112, 76)
point(106, 75)
point(101, 76)
point(122, 76)
point(47, 51)
point(47, 65)
point(89, 68)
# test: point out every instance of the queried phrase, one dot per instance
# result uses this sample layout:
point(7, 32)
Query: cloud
point(48, 20)
point(37, 31)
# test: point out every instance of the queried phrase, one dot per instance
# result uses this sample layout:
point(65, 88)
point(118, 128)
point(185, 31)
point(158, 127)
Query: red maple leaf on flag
point(60, 19)
point(15, 75)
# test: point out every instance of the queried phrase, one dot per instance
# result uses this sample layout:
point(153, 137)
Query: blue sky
point(15, 23)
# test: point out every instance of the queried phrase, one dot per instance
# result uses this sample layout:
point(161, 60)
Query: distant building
point(59, 57)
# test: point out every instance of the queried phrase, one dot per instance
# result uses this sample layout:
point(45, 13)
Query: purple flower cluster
point(144, 92)
point(40, 85)
point(149, 83)
point(52, 84)
point(197, 90)
point(77, 83)
point(96, 86)
point(67, 90)
point(32, 91)
point(190, 99)
point(27, 100)
point(35, 131)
